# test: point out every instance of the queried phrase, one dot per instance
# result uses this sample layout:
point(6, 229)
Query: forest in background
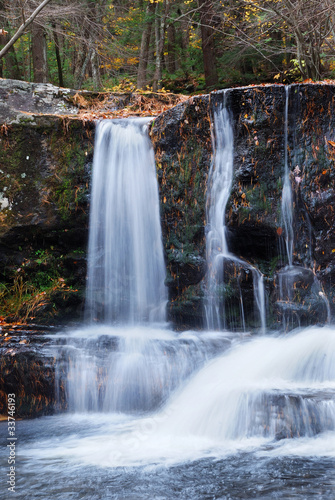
point(185, 46)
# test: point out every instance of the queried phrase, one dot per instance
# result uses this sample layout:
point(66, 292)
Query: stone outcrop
point(182, 143)
point(253, 215)
point(27, 369)
point(45, 168)
point(46, 151)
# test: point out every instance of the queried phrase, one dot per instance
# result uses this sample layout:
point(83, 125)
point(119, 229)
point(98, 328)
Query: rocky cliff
point(45, 166)
point(182, 140)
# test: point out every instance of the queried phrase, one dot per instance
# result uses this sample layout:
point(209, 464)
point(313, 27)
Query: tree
point(160, 30)
point(145, 45)
point(39, 53)
point(207, 23)
point(289, 33)
point(23, 27)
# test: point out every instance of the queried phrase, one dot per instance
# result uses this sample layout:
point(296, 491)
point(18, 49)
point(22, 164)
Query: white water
point(164, 398)
point(288, 275)
point(234, 396)
point(218, 254)
point(272, 395)
point(126, 268)
point(129, 363)
point(287, 200)
point(129, 369)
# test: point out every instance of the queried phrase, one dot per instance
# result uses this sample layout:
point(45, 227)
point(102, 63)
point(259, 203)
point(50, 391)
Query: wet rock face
point(182, 142)
point(45, 169)
point(299, 299)
point(27, 369)
point(253, 210)
point(253, 215)
point(313, 153)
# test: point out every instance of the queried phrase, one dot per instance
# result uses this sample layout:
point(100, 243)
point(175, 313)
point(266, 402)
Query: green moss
point(44, 174)
point(257, 199)
point(183, 202)
point(69, 192)
point(30, 291)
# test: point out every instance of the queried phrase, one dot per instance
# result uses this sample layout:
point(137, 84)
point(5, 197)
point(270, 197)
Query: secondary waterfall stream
point(218, 254)
point(287, 201)
point(294, 279)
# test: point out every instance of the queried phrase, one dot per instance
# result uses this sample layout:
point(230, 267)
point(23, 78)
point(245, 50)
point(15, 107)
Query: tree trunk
point(79, 58)
point(207, 41)
point(39, 53)
point(160, 39)
point(95, 70)
point(11, 66)
point(23, 27)
point(58, 58)
point(145, 46)
point(171, 55)
point(11, 62)
point(83, 69)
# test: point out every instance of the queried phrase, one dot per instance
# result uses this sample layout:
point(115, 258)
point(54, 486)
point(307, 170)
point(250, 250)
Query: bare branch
point(22, 28)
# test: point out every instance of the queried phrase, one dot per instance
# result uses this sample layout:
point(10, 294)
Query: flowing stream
point(287, 199)
point(258, 421)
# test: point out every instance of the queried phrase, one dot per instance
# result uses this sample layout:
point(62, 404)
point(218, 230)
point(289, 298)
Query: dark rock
point(27, 370)
point(300, 298)
point(182, 143)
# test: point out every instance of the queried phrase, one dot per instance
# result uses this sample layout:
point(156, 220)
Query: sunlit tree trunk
point(84, 67)
point(95, 70)
point(160, 29)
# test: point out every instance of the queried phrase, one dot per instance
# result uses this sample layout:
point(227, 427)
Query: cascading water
point(268, 396)
point(126, 269)
point(218, 254)
point(294, 280)
point(287, 199)
point(258, 421)
point(129, 369)
point(271, 387)
point(128, 363)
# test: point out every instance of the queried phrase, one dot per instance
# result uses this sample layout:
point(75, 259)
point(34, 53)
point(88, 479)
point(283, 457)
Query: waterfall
point(271, 387)
point(111, 366)
point(129, 369)
point(218, 255)
point(220, 182)
point(287, 201)
point(129, 362)
point(268, 394)
point(126, 269)
point(295, 280)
